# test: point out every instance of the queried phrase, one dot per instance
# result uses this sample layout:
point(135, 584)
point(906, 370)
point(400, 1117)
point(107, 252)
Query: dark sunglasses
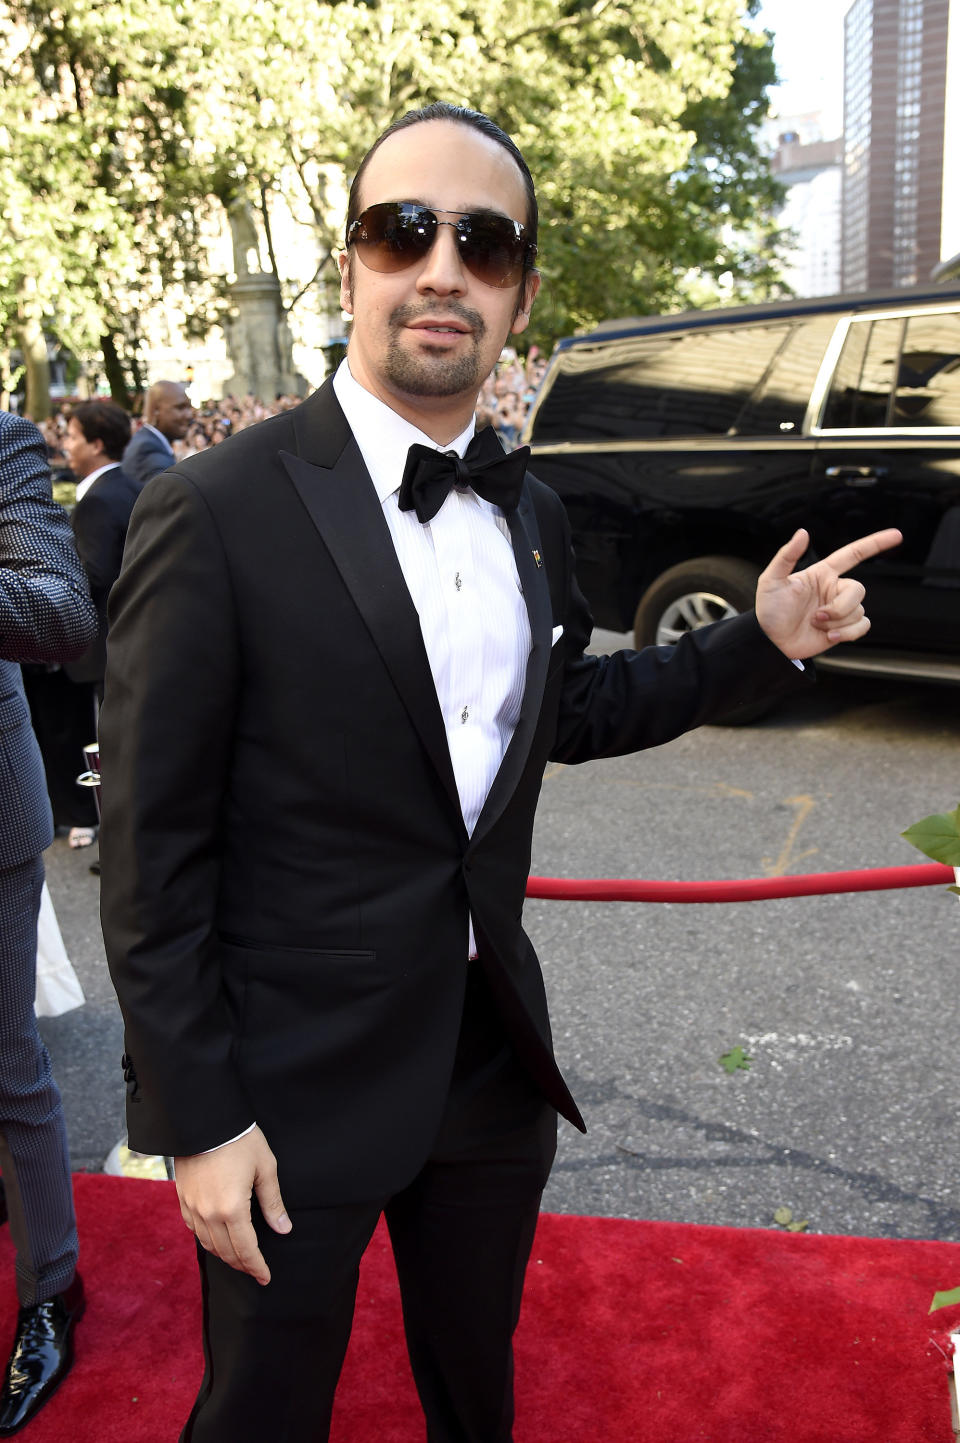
point(397, 234)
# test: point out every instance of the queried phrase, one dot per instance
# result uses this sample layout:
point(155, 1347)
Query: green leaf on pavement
point(736, 1060)
point(945, 1300)
point(784, 1218)
point(938, 836)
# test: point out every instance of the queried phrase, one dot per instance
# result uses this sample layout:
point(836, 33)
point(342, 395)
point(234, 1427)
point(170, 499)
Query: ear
point(522, 319)
point(346, 282)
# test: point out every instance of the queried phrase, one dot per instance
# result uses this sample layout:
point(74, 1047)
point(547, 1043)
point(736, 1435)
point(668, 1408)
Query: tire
point(694, 594)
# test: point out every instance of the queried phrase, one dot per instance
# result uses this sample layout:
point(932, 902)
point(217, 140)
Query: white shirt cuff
point(246, 1131)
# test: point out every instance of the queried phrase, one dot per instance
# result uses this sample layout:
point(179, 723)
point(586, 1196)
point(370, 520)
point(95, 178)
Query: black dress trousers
point(461, 1234)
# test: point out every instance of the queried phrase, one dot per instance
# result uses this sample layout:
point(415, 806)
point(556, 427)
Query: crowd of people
point(507, 393)
point(503, 403)
point(210, 423)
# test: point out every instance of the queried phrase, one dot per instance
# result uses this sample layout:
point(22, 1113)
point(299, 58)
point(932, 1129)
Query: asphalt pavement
point(846, 1117)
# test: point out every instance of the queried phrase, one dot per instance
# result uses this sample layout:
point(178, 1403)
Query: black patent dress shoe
point(41, 1358)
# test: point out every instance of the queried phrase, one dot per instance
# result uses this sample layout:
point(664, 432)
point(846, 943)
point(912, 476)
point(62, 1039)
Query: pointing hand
point(806, 612)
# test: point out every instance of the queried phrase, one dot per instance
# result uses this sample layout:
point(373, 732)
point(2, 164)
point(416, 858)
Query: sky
point(808, 50)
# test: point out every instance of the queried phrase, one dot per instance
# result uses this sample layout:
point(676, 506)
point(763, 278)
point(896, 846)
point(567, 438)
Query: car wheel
point(692, 595)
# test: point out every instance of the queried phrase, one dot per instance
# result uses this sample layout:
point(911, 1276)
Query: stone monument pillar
point(258, 337)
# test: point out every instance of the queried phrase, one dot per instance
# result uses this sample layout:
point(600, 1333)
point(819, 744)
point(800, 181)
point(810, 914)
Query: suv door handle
point(856, 475)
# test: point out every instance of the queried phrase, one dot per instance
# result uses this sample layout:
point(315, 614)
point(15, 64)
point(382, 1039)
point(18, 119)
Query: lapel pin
point(536, 557)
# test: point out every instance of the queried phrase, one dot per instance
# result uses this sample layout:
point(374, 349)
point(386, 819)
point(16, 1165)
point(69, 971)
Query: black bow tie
point(495, 475)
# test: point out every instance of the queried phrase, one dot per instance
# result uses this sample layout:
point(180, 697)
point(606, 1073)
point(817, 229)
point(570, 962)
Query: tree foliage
point(128, 121)
point(638, 118)
point(100, 196)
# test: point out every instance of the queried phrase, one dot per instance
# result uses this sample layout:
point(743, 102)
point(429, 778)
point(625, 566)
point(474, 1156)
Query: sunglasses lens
point(491, 249)
point(391, 237)
point(394, 235)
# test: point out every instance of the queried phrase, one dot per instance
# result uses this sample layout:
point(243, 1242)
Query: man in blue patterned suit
point(46, 614)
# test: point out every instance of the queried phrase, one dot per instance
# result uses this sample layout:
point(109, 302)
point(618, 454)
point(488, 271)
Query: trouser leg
point(34, 1157)
point(64, 717)
point(463, 1230)
point(273, 1355)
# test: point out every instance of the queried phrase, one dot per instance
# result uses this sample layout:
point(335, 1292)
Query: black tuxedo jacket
point(100, 520)
point(286, 873)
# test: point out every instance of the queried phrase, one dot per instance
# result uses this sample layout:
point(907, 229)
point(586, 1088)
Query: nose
point(442, 271)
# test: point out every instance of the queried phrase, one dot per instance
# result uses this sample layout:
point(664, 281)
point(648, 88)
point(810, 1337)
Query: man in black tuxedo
point(167, 414)
point(63, 700)
point(337, 671)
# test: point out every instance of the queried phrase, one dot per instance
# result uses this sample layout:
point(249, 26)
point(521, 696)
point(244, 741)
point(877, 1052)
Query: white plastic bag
point(58, 986)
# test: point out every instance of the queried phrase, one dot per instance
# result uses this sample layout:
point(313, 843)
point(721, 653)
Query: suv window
point(692, 383)
point(928, 378)
point(917, 359)
point(860, 393)
point(779, 403)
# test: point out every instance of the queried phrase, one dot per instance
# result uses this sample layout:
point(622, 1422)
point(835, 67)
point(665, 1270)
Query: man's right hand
point(215, 1190)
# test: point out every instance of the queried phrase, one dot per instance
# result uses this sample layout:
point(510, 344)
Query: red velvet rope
point(749, 889)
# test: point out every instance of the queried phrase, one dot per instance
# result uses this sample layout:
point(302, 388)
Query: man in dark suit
point(63, 700)
point(98, 433)
point(167, 413)
point(330, 699)
point(45, 615)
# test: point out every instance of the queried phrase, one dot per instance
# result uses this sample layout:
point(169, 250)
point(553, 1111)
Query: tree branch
point(312, 281)
point(572, 22)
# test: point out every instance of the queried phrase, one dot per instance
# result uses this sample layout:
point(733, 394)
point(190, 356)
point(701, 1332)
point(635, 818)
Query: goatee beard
point(434, 372)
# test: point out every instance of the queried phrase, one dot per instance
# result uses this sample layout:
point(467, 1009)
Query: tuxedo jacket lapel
point(340, 498)
point(528, 551)
point(343, 505)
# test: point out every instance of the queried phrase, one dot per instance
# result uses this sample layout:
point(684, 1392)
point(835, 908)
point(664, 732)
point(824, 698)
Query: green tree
point(727, 180)
point(638, 118)
point(127, 125)
point(101, 201)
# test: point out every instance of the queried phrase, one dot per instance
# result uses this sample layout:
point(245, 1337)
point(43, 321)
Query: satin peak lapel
point(344, 507)
point(528, 551)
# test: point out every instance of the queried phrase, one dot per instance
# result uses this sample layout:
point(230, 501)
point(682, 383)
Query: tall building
point(899, 209)
point(811, 168)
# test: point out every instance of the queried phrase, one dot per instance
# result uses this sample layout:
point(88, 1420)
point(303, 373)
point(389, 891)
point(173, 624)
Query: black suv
point(688, 448)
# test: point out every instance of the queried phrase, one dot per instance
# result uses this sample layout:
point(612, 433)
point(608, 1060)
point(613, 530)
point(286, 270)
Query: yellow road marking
point(804, 806)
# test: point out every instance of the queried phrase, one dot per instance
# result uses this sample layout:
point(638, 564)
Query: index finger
point(250, 1259)
point(845, 558)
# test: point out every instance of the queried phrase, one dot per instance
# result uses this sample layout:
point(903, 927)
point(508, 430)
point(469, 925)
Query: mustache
point(406, 314)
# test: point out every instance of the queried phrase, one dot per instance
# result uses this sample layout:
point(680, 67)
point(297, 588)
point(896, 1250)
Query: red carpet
point(632, 1332)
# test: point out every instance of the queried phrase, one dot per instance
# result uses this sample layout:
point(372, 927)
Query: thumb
point(267, 1190)
point(787, 557)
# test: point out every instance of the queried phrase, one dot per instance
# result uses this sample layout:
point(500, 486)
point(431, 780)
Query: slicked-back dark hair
point(441, 110)
point(104, 421)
